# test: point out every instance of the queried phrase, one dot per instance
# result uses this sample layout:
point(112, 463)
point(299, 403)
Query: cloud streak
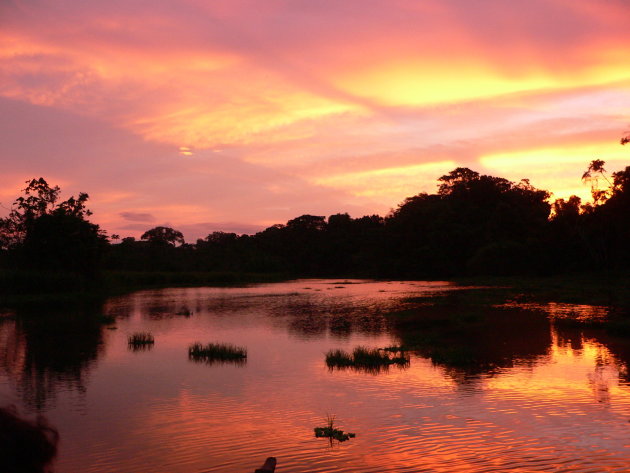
point(137, 216)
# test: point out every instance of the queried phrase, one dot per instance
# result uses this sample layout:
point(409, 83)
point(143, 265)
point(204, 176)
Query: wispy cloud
point(137, 216)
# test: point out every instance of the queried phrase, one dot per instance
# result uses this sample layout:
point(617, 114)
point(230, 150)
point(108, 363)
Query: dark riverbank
point(26, 288)
point(579, 288)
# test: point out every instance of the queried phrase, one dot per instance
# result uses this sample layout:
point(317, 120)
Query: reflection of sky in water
point(556, 405)
point(558, 310)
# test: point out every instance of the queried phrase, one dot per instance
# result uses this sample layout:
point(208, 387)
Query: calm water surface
point(512, 394)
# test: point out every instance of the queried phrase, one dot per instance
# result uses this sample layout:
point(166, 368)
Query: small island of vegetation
point(367, 359)
point(216, 352)
point(331, 432)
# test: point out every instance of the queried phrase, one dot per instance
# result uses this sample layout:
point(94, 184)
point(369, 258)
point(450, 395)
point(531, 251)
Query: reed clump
point(141, 339)
point(216, 352)
point(331, 432)
point(367, 359)
point(339, 359)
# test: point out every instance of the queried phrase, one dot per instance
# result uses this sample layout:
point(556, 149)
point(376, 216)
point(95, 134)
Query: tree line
point(473, 225)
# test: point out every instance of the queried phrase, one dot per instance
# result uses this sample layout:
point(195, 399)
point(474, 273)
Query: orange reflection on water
point(561, 403)
point(559, 310)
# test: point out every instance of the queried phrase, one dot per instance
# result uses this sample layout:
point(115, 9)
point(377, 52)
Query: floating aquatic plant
point(141, 338)
point(331, 432)
point(367, 359)
point(216, 352)
point(141, 341)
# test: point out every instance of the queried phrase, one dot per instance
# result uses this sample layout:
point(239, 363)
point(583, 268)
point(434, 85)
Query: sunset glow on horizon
point(236, 115)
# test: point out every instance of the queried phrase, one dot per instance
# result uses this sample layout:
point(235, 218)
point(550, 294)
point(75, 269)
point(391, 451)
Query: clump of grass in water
point(216, 352)
point(141, 338)
point(363, 356)
point(331, 432)
point(367, 359)
point(141, 341)
point(338, 359)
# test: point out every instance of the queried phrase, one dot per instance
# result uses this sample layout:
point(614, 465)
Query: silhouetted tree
point(163, 236)
point(42, 233)
point(613, 220)
point(219, 238)
point(473, 224)
point(298, 245)
point(307, 223)
point(593, 175)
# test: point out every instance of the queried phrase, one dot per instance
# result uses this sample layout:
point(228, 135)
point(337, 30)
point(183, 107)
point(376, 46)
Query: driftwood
point(268, 467)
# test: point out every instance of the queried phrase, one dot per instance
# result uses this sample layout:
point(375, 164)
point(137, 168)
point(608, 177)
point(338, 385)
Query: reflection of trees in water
point(610, 351)
point(155, 304)
point(44, 353)
point(618, 347)
point(302, 314)
point(338, 321)
point(469, 343)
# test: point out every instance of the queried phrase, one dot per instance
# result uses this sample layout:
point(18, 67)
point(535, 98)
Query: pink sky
point(235, 115)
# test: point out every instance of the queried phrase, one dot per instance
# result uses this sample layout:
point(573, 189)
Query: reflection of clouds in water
point(558, 310)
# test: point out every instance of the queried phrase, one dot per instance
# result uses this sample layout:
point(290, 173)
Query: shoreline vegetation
point(478, 230)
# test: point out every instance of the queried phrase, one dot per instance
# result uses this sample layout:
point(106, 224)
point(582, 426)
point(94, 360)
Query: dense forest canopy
point(473, 224)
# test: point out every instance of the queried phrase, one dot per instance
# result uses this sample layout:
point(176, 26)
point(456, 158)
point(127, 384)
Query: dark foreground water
point(498, 390)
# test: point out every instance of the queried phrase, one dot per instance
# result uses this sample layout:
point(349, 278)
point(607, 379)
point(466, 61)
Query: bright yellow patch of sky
point(558, 168)
point(413, 83)
point(419, 83)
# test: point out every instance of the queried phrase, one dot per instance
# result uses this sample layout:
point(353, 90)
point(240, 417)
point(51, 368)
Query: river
point(514, 393)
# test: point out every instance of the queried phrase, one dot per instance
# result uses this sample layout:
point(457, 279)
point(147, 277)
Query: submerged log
point(268, 467)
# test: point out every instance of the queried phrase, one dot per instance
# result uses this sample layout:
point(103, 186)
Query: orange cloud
point(392, 184)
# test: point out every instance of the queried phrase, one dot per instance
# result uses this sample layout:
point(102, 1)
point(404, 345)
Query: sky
point(234, 115)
